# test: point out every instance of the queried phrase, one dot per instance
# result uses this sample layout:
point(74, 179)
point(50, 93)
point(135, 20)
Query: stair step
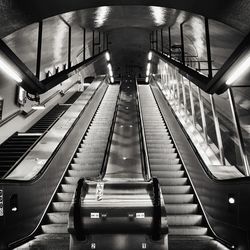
point(184, 220)
point(181, 208)
point(95, 171)
point(162, 155)
point(55, 228)
point(184, 189)
point(168, 174)
point(58, 217)
point(162, 150)
point(178, 198)
point(164, 161)
point(187, 230)
point(172, 167)
point(89, 161)
point(172, 181)
point(68, 188)
point(61, 197)
point(61, 206)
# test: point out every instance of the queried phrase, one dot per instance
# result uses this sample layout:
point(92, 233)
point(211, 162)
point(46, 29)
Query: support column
point(84, 44)
point(182, 45)
point(203, 117)
point(217, 130)
point(209, 59)
point(39, 49)
point(169, 42)
point(236, 120)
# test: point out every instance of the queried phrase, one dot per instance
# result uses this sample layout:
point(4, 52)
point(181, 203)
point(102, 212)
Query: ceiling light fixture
point(239, 71)
point(10, 71)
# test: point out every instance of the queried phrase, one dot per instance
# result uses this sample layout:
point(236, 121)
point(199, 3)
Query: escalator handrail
point(143, 144)
point(107, 150)
point(46, 165)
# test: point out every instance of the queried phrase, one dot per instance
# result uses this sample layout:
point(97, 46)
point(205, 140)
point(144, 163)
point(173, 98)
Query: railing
point(212, 122)
point(142, 138)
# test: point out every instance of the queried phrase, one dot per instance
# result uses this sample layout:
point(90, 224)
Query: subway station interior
point(125, 125)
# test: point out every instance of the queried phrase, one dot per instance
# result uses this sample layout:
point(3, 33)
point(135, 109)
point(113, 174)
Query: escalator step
point(173, 181)
point(181, 208)
point(184, 220)
point(184, 189)
point(187, 230)
point(168, 174)
point(55, 228)
point(58, 217)
point(178, 198)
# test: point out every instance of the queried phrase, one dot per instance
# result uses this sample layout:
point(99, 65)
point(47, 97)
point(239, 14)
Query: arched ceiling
point(16, 14)
point(128, 27)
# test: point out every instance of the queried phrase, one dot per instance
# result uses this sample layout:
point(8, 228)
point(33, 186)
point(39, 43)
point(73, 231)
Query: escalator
point(87, 161)
point(187, 226)
point(124, 208)
point(16, 146)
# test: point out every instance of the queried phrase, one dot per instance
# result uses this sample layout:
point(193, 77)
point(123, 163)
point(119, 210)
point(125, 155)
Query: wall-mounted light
point(150, 56)
point(10, 71)
point(239, 71)
point(107, 55)
point(231, 200)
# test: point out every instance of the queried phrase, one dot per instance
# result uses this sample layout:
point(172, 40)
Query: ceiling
point(128, 27)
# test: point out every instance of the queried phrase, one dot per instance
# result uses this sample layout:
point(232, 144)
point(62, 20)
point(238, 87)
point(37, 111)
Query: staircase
point(87, 162)
point(185, 219)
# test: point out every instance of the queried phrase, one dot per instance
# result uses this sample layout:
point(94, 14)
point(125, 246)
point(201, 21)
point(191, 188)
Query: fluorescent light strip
point(38, 107)
point(109, 67)
point(148, 67)
point(112, 79)
point(9, 71)
point(146, 79)
point(239, 71)
point(107, 55)
point(150, 56)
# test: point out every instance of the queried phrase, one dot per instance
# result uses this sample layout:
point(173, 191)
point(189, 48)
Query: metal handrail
point(146, 163)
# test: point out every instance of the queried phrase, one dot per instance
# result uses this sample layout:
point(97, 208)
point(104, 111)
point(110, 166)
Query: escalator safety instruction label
point(1, 202)
point(99, 191)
